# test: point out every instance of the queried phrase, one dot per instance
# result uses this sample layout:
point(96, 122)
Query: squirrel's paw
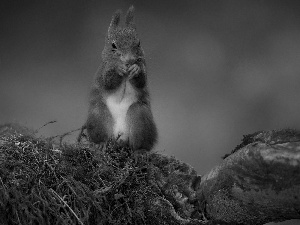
point(133, 70)
point(121, 69)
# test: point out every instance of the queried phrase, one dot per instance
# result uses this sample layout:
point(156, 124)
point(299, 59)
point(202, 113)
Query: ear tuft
point(115, 21)
point(129, 21)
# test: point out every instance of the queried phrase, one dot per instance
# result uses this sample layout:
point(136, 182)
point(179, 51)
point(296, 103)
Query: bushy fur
point(123, 63)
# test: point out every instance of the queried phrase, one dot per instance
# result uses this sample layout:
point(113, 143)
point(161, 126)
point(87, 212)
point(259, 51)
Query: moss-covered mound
point(42, 183)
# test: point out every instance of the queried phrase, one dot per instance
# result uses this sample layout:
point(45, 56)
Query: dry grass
point(71, 184)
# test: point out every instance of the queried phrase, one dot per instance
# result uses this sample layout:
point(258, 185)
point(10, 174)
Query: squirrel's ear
point(114, 21)
point(129, 21)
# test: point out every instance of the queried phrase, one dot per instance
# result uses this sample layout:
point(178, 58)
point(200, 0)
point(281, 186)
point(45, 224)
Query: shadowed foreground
point(43, 183)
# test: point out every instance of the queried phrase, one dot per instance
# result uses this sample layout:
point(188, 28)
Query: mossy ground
point(269, 137)
point(42, 183)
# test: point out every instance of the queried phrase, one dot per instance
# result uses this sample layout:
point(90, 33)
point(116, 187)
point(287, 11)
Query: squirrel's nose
point(128, 58)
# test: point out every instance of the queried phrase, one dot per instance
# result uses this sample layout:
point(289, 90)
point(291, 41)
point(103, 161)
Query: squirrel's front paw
point(133, 70)
point(122, 69)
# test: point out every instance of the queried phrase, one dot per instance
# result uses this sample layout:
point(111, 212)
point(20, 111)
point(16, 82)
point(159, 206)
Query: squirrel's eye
point(114, 47)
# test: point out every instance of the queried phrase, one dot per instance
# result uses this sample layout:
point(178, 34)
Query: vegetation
point(44, 183)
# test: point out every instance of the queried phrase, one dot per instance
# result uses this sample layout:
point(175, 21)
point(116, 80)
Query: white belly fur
point(118, 104)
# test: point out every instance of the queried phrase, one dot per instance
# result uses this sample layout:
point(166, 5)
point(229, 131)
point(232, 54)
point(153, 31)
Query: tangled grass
point(41, 183)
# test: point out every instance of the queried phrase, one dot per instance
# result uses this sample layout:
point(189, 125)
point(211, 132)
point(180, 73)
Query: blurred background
point(217, 69)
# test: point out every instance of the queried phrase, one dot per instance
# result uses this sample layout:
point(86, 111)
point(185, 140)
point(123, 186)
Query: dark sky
point(217, 69)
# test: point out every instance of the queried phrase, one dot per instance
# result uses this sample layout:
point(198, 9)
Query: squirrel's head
point(122, 43)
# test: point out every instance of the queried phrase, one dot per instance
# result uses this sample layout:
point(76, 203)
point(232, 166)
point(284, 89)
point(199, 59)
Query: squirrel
point(119, 106)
